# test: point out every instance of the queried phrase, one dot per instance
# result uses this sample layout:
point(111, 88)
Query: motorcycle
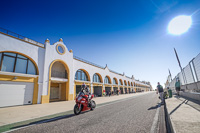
point(82, 103)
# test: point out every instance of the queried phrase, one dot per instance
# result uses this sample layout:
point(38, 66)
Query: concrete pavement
point(184, 114)
point(16, 114)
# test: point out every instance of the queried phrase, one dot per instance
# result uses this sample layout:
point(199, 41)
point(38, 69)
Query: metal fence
point(10, 33)
point(196, 64)
point(91, 63)
point(189, 76)
point(88, 62)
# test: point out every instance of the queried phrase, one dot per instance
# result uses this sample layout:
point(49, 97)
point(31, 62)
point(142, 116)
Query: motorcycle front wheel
point(77, 110)
point(93, 105)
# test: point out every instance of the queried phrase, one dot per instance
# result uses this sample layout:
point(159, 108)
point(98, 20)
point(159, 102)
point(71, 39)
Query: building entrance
point(115, 90)
point(125, 90)
point(98, 91)
point(107, 89)
point(121, 91)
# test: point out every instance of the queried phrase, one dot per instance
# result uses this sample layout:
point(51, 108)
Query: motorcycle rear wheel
point(77, 110)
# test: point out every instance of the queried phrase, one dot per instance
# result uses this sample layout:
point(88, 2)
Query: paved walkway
point(184, 114)
point(16, 114)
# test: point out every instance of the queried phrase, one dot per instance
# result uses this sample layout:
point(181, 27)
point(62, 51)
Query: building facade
point(34, 73)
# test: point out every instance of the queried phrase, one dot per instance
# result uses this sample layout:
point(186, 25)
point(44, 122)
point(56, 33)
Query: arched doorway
point(107, 83)
point(121, 86)
point(125, 87)
point(97, 84)
point(115, 85)
point(81, 76)
point(59, 81)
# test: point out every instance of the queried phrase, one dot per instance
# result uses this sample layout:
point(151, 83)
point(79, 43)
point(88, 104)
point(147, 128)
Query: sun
point(179, 25)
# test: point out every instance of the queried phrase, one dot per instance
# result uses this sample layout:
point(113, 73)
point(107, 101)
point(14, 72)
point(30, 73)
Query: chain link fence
point(189, 76)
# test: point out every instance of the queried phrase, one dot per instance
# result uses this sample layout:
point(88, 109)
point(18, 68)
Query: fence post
point(191, 71)
point(195, 69)
point(184, 77)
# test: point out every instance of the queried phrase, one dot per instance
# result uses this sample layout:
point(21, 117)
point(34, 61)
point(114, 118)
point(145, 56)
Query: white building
point(31, 73)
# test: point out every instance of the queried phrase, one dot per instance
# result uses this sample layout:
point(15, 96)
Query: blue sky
point(128, 35)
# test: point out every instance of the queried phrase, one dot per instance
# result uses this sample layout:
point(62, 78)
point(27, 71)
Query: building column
point(111, 88)
point(74, 91)
point(103, 89)
point(91, 88)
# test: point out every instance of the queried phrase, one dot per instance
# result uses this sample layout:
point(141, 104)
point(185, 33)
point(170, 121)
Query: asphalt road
point(135, 115)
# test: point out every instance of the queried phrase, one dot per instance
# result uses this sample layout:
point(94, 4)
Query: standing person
point(178, 86)
point(117, 92)
point(104, 92)
point(160, 91)
point(109, 93)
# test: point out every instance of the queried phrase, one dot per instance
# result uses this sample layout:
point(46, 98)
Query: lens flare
point(179, 25)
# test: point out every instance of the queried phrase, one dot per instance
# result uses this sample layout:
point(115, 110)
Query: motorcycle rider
point(86, 91)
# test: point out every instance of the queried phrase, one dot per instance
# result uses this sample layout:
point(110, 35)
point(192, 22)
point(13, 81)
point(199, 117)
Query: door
point(54, 93)
point(15, 93)
point(121, 91)
point(107, 89)
point(98, 91)
point(115, 90)
point(78, 89)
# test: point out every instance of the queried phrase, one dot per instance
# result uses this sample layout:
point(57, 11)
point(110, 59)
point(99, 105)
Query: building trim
point(62, 48)
point(46, 98)
point(17, 74)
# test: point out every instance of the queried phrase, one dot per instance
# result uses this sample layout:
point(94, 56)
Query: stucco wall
point(45, 56)
point(34, 52)
point(52, 55)
point(103, 72)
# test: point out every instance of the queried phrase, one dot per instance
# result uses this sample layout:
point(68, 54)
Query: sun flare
point(179, 25)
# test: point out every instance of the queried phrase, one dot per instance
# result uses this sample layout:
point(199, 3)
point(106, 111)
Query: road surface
point(134, 115)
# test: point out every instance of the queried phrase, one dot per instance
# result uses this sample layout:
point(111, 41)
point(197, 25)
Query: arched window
point(128, 83)
point(58, 70)
point(120, 82)
point(114, 81)
point(106, 80)
point(96, 78)
point(14, 62)
point(81, 75)
point(125, 82)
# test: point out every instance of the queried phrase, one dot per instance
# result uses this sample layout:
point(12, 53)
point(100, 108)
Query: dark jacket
point(160, 88)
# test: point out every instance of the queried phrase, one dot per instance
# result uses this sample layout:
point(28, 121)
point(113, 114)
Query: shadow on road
point(154, 107)
point(49, 120)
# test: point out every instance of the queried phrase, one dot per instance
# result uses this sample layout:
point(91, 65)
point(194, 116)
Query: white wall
point(43, 57)
point(51, 54)
point(36, 53)
point(103, 72)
